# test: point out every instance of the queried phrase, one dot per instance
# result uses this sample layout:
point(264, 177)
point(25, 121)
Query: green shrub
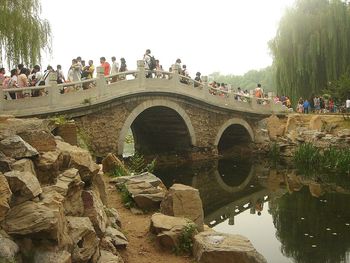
point(185, 242)
point(126, 196)
point(137, 164)
point(274, 153)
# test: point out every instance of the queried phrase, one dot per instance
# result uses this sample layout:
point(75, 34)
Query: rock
point(117, 238)
point(84, 238)
point(316, 189)
point(47, 167)
point(113, 216)
point(5, 163)
point(93, 208)
point(98, 185)
point(75, 157)
point(145, 195)
point(107, 244)
point(52, 255)
point(41, 140)
point(16, 147)
point(108, 257)
point(316, 123)
point(293, 123)
point(30, 218)
point(184, 201)
point(5, 197)
point(168, 229)
point(8, 249)
point(143, 177)
point(218, 247)
point(70, 185)
point(24, 165)
point(111, 162)
point(344, 133)
point(275, 127)
point(24, 185)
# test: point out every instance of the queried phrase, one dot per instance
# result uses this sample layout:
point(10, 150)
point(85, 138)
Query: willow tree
point(23, 34)
point(311, 47)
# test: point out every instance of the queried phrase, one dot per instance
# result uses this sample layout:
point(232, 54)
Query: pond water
point(286, 221)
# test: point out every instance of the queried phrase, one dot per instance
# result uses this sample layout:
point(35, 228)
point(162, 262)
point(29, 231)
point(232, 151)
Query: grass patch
point(126, 196)
point(274, 154)
point(309, 159)
point(186, 240)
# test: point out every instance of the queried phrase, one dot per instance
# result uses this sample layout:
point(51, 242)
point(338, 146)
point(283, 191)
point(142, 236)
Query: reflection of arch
point(149, 104)
point(234, 121)
point(234, 189)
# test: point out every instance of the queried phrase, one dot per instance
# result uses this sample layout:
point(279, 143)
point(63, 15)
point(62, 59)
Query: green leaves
point(311, 47)
point(23, 34)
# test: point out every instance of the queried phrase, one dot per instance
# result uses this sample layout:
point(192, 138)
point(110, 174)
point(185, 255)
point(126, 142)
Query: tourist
point(74, 71)
point(159, 69)
point(105, 65)
point(147, 58)
point(122, 68)
point(347, 104)
point(317, 104)
point(331, 105)
point(22, 82)
point(2, 75)
point(35, 76)
point(60, 76)
point(184, 73)
point(19, 68)
point(91, 69)
point(114, 69)
point(13, 83)
point(197, 79)
point(300, 107)
point(306, 106)
point(178, 65)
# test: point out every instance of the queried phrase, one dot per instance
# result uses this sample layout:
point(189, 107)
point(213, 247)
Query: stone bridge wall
point(106, 127)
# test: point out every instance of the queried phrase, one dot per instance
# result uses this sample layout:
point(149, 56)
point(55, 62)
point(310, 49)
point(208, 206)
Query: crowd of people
point(22, 77)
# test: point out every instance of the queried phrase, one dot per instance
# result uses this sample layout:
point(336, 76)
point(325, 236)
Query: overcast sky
point(229, 36)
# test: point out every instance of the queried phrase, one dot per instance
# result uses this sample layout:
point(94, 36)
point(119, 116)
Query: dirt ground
point(142, 246)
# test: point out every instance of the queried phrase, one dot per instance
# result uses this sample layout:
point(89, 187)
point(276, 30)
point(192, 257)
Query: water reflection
point(287, 218)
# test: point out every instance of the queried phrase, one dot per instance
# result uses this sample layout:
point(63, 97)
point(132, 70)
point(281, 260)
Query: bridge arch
point(236, 128)
point(153, 103)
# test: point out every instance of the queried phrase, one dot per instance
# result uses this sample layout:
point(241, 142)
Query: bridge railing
point(55, 97)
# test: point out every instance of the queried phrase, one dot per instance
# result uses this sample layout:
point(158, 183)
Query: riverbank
point(142, 247)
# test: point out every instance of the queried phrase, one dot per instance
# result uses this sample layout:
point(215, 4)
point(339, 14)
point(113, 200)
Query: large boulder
point(48, 167)
point(111, 163)
point(84, 238)
point(41, 140)
point(213, 247)
point(70, 185)
point(275, 127)
point(117, 238)
point(16, 147)
point(24, 165)
point(108, 257)
point(8, 249)
point(184, 201)
point(5, 197)
point(316, 123)
point(75, 157)
point(94, 209)
point(24, 185)
point(113, 216)
point(52, 255)
point(98, 185)
point(146, 189)
point(168, 229)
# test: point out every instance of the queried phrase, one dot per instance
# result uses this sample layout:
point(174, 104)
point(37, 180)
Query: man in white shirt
point(147, 59)
point(115, 66)
point(347, 105)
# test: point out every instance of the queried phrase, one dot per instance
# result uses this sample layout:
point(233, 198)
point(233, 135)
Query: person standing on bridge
point(105, 65)
point(150, 63)
point(114, 69)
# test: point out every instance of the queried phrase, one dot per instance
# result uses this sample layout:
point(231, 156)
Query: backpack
point(152, 63)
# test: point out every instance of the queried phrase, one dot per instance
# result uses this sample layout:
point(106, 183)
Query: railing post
point(141, 74)
point(175, 76)
point(101, 82)
point(205, 86)
point(53, 92)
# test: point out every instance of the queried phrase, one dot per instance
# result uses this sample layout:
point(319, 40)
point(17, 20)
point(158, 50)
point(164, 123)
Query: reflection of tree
point(299, 213)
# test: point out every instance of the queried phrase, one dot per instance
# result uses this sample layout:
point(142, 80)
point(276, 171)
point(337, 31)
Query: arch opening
point(160, 130)
point(234, 140)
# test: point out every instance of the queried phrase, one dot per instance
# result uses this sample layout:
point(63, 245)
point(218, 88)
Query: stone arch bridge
point(171, 113)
